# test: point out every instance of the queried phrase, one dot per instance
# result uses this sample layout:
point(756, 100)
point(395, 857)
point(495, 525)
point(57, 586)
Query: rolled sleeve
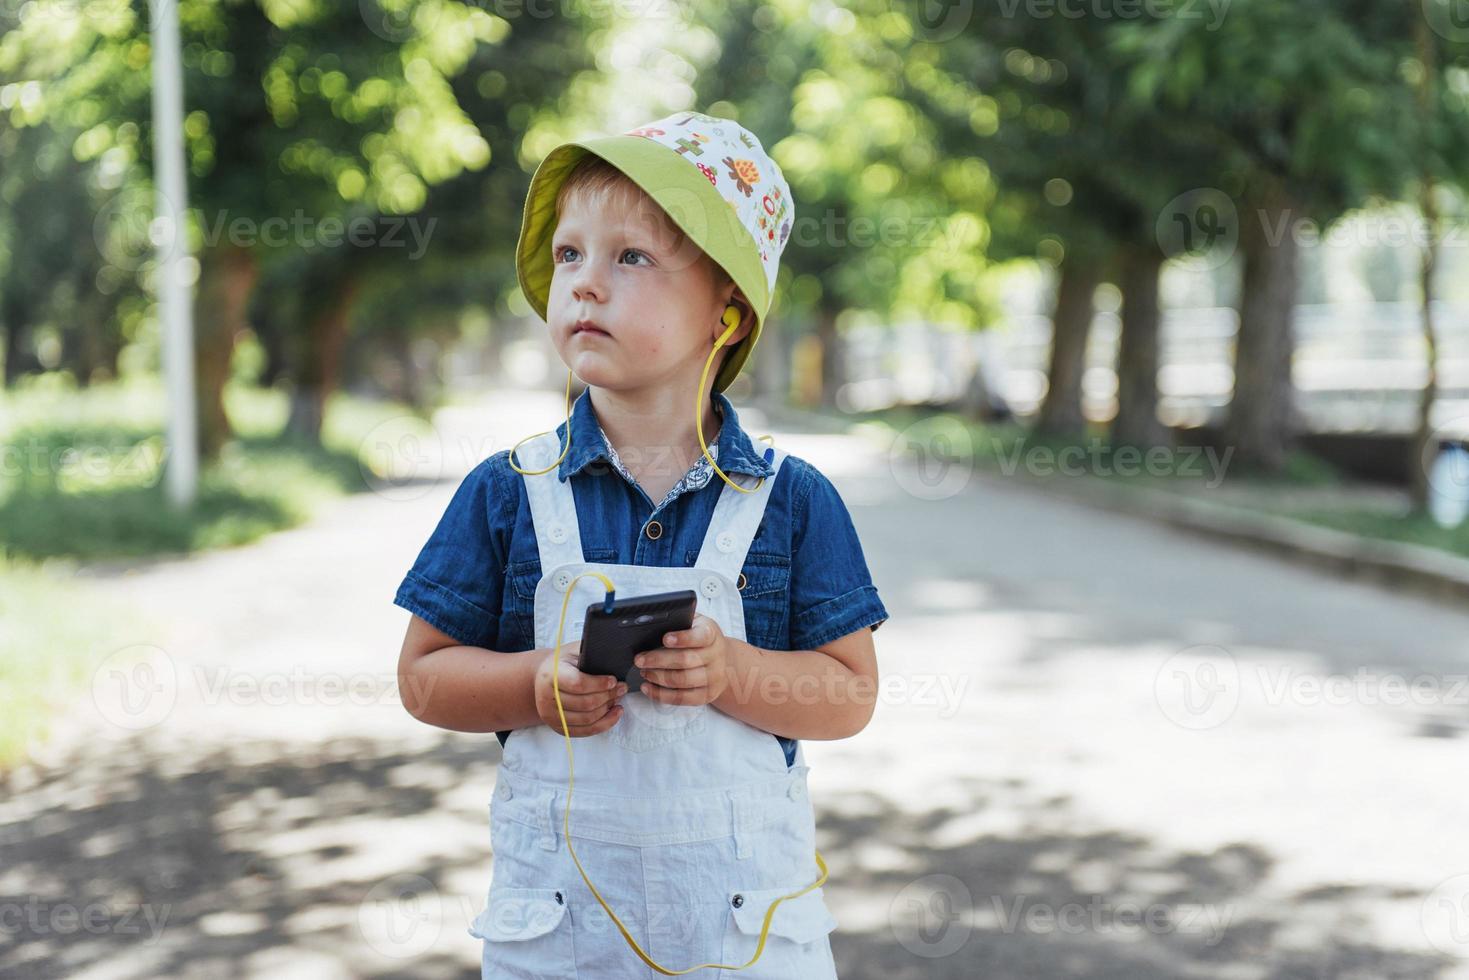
point(832, 593)
point(457, 582)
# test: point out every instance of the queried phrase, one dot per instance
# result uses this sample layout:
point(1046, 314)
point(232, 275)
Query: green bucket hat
point(715, 182)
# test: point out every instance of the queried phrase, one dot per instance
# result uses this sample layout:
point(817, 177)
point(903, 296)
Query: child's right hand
point(590, 700)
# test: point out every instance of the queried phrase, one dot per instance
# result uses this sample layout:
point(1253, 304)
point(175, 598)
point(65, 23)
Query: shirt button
point(557, 533)
point(710, 587)
point(725, 542)
point(655, 530)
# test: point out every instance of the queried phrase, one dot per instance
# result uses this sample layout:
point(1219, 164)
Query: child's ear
point(747, 320)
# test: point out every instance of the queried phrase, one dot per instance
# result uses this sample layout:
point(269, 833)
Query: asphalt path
point(1103, 748)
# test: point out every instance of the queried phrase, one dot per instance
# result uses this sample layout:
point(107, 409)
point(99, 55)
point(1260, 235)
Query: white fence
point(1356, 368)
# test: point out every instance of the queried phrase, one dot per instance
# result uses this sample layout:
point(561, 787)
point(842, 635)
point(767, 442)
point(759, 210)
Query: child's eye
point(560, 253)
point(633, 251)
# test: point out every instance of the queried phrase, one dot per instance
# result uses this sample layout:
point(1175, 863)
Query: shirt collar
point(737, 454)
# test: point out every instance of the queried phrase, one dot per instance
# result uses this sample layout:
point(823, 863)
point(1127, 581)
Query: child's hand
point(590, 700)
point(690, 668)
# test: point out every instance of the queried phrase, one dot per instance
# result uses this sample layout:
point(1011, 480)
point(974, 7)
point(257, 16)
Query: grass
point(1416, 529)
point(999, 447)
point(1008, 445)
point(82, 472)
point(56, 633)
point(81, 478)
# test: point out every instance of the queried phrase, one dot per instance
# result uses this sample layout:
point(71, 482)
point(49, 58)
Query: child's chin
point(595, 371)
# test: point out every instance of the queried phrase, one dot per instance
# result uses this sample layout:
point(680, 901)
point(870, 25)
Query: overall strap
point(733, 524)
point(552, 506)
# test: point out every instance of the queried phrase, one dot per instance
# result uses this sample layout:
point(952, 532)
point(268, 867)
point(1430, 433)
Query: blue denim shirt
point(806, 579)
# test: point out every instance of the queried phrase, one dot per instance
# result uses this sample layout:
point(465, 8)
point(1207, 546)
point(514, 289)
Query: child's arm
point(472, 689)
point(465, 688)
point(829, 692)
point(825, 693)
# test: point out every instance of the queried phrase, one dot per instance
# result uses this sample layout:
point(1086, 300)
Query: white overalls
point(686, 819)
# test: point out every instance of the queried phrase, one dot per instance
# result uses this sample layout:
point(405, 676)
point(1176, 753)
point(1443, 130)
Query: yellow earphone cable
point(731, 319)
point(571, 782)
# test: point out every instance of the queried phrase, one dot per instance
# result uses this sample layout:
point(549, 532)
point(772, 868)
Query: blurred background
point(1135, 334)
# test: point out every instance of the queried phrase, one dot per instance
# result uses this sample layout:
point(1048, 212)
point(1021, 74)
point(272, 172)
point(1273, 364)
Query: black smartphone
point(610, 640)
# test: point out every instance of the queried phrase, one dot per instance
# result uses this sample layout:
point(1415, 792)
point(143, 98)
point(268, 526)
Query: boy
point(647, 254)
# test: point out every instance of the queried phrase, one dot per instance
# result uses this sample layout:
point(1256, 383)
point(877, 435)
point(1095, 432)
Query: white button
point(710, 586)
point(795, 791)
point(506, 792)
point(557, 533)
point(562, 580)
point(725, 542)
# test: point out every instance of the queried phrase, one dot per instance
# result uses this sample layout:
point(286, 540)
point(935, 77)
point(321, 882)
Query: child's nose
point(589, 280)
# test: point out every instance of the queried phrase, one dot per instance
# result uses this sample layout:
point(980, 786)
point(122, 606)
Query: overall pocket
point(527, 934)
point(524, 582)
point(766, 597)
point(764, 586)
point(520, 597)
point(797, 944)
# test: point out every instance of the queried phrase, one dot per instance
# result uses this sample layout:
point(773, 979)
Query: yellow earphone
point(732, 319)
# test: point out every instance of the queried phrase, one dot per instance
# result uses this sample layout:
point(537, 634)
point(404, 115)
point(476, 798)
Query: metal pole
point(170, 238)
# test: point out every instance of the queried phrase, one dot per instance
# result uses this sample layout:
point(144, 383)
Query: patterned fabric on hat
point(731, 158)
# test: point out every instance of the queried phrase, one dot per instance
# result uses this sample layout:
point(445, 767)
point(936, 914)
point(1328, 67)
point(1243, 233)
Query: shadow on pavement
point(1014, 907)
point(269, 858)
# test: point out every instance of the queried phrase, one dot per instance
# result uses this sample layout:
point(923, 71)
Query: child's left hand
point(691, 669)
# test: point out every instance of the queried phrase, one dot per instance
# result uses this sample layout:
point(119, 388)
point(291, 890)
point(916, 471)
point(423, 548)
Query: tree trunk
point(1421, 451)
point(277, 361)
point(226, 276)
point(404, 382)
point(1260, 413)
point(1137, 422)
point(12, 322)
point(830, 347)
point(1071, 325)
point(317, 374)
point(85, 347)
point(1420, 446)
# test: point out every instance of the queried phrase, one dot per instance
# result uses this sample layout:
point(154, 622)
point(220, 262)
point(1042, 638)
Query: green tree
point(299, 111)
point(1304, 106)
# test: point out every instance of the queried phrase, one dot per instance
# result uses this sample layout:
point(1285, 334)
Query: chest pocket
point(521, 579)
point(765, 593)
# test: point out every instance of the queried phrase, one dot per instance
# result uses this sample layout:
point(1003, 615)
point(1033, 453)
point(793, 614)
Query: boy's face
point(622, 264)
